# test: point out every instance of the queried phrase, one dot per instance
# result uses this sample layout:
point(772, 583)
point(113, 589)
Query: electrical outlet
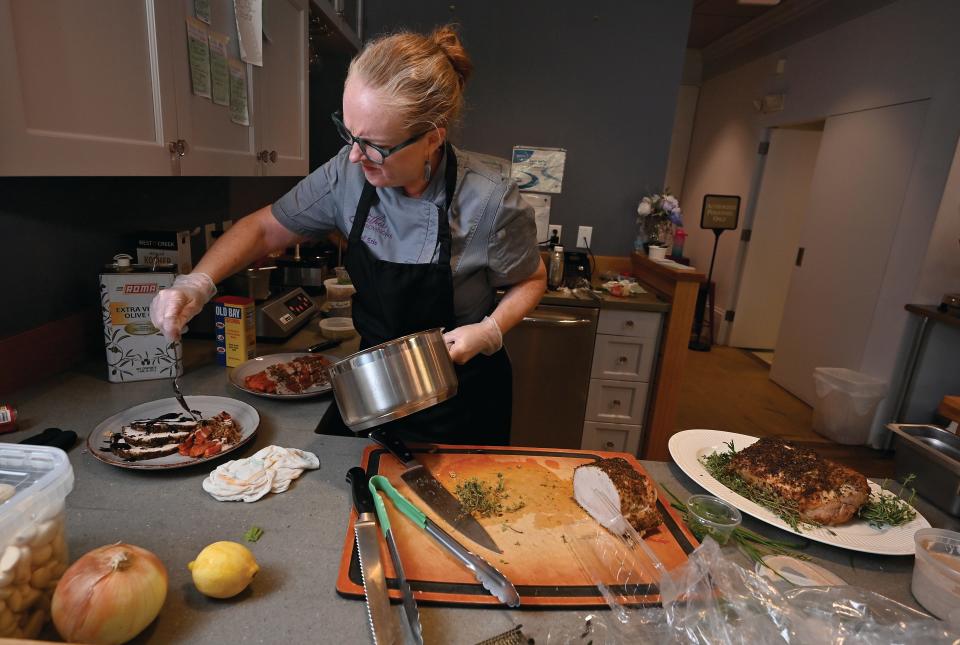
point(584, 237)
point(555, 229)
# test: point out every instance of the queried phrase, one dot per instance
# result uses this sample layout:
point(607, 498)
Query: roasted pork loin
point(825, 491)
point(632, 493)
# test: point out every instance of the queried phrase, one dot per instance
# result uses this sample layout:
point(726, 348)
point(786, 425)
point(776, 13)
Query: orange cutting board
point(537, 557)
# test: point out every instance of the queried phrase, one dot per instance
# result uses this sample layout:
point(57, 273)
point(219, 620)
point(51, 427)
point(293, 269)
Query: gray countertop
point(293, 597)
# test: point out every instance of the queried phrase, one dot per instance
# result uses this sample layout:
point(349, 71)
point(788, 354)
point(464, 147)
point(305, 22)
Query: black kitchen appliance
point(576, 265)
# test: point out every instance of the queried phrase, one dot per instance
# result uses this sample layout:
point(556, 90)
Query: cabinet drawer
point(623, 358)
point(611, 437)
point(617, 401)
point(644, 324)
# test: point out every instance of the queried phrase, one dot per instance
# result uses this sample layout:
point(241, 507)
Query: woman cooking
point(432, 233)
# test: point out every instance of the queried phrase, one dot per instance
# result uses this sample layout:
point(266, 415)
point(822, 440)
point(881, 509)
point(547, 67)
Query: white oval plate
point(245, 416)
point(688, 446)
point(239, 374)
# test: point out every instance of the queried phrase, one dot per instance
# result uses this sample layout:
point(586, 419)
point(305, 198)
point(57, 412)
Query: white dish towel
point(268, 470)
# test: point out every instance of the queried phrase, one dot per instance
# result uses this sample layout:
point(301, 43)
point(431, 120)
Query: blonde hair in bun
point(421, 77)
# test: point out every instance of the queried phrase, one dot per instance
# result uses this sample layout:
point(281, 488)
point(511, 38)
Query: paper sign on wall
point(199, 53)
point(219, 69)
point(541, 214)
point(238, 93)
point(201, 8)
point(538, 169)
point(250, 30)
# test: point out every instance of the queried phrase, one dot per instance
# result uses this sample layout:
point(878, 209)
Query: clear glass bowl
point(712, 516)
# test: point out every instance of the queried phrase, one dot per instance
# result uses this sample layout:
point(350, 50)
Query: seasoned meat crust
point(619, 482)
point(825, 491)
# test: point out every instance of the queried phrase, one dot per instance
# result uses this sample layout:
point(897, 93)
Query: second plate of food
point(289, 375)
point(689, 446)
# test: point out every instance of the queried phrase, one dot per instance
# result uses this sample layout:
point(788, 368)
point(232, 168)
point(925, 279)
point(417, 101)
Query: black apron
point(396, 299)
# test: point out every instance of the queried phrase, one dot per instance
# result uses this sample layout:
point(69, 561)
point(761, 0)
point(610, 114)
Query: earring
point(426, 170)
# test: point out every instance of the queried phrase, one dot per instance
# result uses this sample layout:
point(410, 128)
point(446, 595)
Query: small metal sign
point(720, 212)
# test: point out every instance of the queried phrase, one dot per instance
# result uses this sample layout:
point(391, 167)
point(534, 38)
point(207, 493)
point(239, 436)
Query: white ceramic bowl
point(337, 328)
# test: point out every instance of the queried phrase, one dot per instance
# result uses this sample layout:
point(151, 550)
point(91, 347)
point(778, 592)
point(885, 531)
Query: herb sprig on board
point(481, 499)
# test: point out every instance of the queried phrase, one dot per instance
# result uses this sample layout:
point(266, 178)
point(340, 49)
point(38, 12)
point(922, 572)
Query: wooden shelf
point(932, 312)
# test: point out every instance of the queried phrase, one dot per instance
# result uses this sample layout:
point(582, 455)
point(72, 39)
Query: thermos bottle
point(555, 274)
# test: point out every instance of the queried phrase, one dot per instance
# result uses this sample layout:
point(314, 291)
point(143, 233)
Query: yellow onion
point(109, 595)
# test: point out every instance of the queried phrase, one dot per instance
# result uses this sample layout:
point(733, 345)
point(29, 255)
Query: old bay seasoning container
point(136, 350)
point(8, 418)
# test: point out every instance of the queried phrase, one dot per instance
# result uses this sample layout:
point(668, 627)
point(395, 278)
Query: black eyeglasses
point(374, 153)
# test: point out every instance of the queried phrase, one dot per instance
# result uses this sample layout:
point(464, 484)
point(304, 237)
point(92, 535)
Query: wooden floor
point(729, 389)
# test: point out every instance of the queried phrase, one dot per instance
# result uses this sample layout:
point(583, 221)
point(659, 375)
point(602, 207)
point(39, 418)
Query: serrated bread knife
point(432, 493)
point(382, 624)
point(486, 574)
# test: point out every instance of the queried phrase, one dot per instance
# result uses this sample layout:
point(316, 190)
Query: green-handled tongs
point(488, 575)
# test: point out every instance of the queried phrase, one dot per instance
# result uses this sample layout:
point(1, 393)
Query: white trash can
point(846, 403)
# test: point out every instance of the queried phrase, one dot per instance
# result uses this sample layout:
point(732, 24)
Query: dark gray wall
point(57, 232)
point(597, 78)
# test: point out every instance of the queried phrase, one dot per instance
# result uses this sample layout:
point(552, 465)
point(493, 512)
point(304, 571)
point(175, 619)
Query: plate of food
point(795, 489)
point(290, 375)
point(160, 435)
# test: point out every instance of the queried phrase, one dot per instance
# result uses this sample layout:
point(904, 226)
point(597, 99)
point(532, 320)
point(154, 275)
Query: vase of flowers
point(657, 215)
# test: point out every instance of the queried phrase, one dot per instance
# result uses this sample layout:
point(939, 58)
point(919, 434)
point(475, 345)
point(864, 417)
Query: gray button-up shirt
point(494, 235)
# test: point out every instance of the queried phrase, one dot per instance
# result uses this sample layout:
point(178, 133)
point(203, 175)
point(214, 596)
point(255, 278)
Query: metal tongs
point(488, 575)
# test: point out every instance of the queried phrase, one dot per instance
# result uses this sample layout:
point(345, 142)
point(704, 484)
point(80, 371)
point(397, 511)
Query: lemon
point(223, 569)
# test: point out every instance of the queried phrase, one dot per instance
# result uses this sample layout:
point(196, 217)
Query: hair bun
point(448, 40)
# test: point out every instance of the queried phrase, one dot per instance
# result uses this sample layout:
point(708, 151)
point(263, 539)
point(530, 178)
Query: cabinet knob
point(263, 156)
point(615, 403)
point(622, 360)
point(178, 147)
point(608, 445)
point(629, 323)
point(273, 156)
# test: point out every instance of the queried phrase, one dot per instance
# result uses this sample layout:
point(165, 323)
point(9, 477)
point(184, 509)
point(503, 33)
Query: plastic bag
point(711, 599)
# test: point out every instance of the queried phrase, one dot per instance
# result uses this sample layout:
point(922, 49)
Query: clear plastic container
point(936, 571)
point(713, 517)
point(846, 403)
point(337, 292)
point(33, 545)
point(337, 328)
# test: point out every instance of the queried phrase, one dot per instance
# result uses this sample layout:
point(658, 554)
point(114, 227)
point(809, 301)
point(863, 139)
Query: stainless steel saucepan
point(393, 379)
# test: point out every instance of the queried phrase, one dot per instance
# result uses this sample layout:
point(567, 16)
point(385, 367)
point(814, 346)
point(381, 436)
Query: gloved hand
point(178, 303)
point(467, 341)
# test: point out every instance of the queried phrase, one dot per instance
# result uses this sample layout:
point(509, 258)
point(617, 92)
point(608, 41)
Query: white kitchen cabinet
point(102, 87)
point(623, 358)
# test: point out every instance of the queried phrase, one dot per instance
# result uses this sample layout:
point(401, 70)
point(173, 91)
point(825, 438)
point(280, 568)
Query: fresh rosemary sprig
point(254, 534)
point(753, 545)
point(890, 510)
point(789, 511)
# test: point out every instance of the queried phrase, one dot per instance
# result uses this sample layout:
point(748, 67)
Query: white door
point(84, 91)
point(856, 195)
point(283, 89)
point(781, 207)
point(215, 145)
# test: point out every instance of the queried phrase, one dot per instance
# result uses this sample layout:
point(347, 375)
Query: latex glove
point(467, 341)
point(178, 303)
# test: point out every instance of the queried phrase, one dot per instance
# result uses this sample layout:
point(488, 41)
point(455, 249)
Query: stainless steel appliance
point(393, 379)
point(933, 455)
point(551, 351)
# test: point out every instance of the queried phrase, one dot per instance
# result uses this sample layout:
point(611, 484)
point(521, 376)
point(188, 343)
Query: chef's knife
point(382, 625)
point(488, 575)
point(410, 610)
point(432, 493)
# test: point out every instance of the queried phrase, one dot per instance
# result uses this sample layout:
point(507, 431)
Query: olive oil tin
point(135, 349)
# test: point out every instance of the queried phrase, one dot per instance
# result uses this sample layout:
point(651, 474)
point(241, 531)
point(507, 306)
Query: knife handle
point(362, 499)
point(392, 443)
